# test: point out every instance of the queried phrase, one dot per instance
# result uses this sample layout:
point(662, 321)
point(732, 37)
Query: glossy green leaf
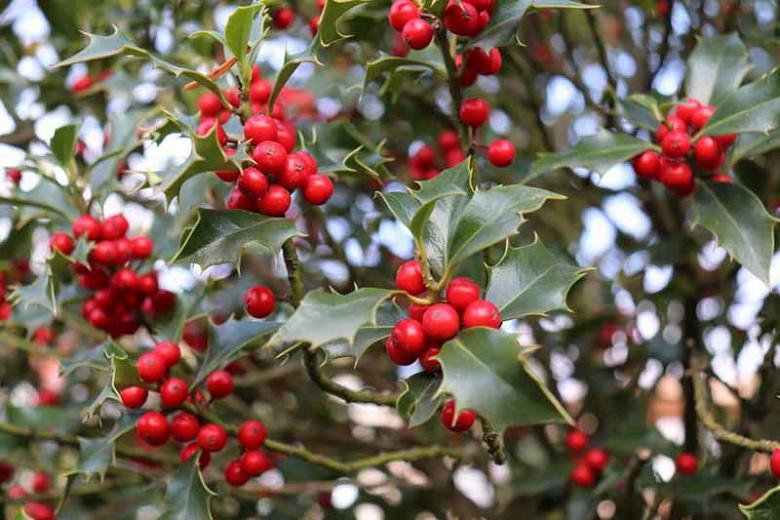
point(93, 359)
point(40, 293)
point(598, 153)
point(186, 495)
point(765, 508)
point(221, 236)
point(531, 280)
point(330, 29)
point(123, 371)
point(291, 64)
point(47, 195)
point(418, 402)
point(753, 144)
point(97, 454)
point(345, 314)
point(63, 144)
point(716, 67)
point(503, 26)
point(368, 335)
point(754, 107)
point(485, 370)
point(228, 341)
point(641, 110)
point(238, 29)
point(739, 222)
point(391, 64)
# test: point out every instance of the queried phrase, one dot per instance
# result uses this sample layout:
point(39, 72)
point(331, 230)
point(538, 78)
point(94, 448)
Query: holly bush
point(371, 259)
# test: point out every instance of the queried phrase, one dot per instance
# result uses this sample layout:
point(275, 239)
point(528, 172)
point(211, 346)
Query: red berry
point(474, 111)
point(461, 18)
point(184, 427)
point(259, 301)
point(461, 292)
point(701, 117)
point(318, 189)
point(62, 242)
point(81, 83)
point(219, 384)
point(212, 437)
point(39, 510)
point(253, 182)
point(251, 434)
point(673, 124)
point(646, 164)
point(169, 351)
point(409, 277)
point(41, 482)
point(582, 476)
point(285, 135)
point(460, 424)
point(482, 313)
point(14, 175)
point(417, 33)
point(501, 153)
point(774, 463)
point(147, 284)
point(448, 139)
point(725, 141)
point(675, 175)
point(114, 227)
point(254, 463)
point(133, 396)
point(86, 225)
point(141, 247)
point(283, 17)
point(270, 157)
point(151, 367)
point(297, 169)
point(152, 427)
point(98, 318)
point(105, 253)
point(426, 359)
point(408, 336)
point(398, 356)
point(706, 151)
point(209, 104)
point(17, 492)
point(494, 63)
point(125, 279)
point(173, 392)
point(687, 463)
point(686, 109)
point(441, 322)
point(676, 144)
point(260, 128)
point(401, 12)
point(191, 449)
point(416, 311)
point(207, 126)
point(597, 459)
point(722, 177)
point(234, 475)
point(260, 91)
point(238, 200)
point(276, 201)
point(576, 440)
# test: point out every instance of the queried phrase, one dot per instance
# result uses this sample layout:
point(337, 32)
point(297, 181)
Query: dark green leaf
point(531, 280)
point(716, 67)
point(739, 222)
point(40, 293)
point(485, 370)
point(751, 145)
point(291, 64)
point(97, 454)
point(329, 30)
point(641, 110)
point(63, 144)
point(186, 496)
point(419, 402)
point(390, 64)
point(123, 371)
point(237, 32)
point(386, 318)
point(754, 107)
point(503, 26)
point(765, 508)
point(93, 358)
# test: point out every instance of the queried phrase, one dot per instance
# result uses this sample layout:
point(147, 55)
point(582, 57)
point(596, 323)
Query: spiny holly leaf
point(391, 64)
point(227, 341)
point(716, 67)
point(63, 144)
point(749, 145)
point(221, 236)
point(345, 314)
point(491, 216)
point(238, 30)
point(291, 64)
point(386, 317)
point(186, 496)
point(123, 371)
point(40, 293)
point(531, 280)
point(106, 394)
point(739, 222)
point(46, 195)
point(765, 508)
point(641, 110)
point(754, 107)
point(362, 162)
point(94, 359)
point(329, 29)
point(503, 26)
point(97, 454)
point(597, 153)
point(419, 402)
point(206, 156)
point(485, 370)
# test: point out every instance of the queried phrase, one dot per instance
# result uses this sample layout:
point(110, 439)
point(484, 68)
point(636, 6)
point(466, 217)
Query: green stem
point(494, 441)
point(293, 272)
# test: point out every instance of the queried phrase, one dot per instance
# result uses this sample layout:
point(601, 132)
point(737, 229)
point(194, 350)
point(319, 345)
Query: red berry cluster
point(424, 163)
point(40, 483)
point(267, 186)
point(120, 292)
point(590, 464)
point(681, 160)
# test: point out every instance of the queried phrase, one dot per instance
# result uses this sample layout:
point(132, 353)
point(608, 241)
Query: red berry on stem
point(461, 18)
point(254, 463)
point(238, 200)
point(701, 117)
point(173, 392)
point(409, 277)
point(86, 225)
point(482, 313)
point(114, 227)
point(501, 153)
point(169, 351)
point(416, 311)
point(687, 463)
point(125, 279)
point(426, 359)
point(260, 128)
point(673, 124)
point(297, 169)
point(14, 175)
point(417, 33)
point(152, 427)
point(41, 482)
point(275, 202)
point(408, 336)
point(318, 189)
point(597, 459)
point(401, 12)
point(576, 440)
point(448, 139)
point(260, 91)
point(253, 182)
point(398, 356)
point(212, 437)
point(251, 434)
point(461, 292)
point(192, 449)
point(62, 242)
point(474, 111)
point(209, 104)
point(141, 247)
point(646, 164)
point(38, 511)
point(441, 322)
point(706, 151)
point(219, 384)
point(462, 423)
point(725, 141)
point(184, 427)
point(270, 157)
point(259, 301)
point(774, 463)
point(133, 396)
point(151, 367)
point(234, 475)
point(207, 126)
point(675, 175)
point(283, 17)
point(686, 109)
point(676, 144)
point(582, 476)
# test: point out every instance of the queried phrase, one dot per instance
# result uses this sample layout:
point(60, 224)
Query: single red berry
point(17, 492)
point(482, 313)
point(706, 151)
point(493, 64)
point(260, 91)
point(173, 392)
point(38, 511)
point(14, 175)
point(163, 302)
point(270, 157)
point(41, 482)
point(286, 136)
point(133, 396)
point(501, 153)
point(646, 164)
point(686, 109)
point(582, 476)
point(576, 440)
point(725, 141)
point(219, 384)
point(774, 463)
point(86, 225)
point(283, 17)
point(448, 139)
point(98, 318)
point(212, 437)
point(276, 201)
point(398, 356)
point(676, 144)
point(416, 311)
point(260, 128)
point(675, 175)
point(454, 156)
point(151, 367)
point(702, 116)
point(184, 427)
point(253, 182)
point(105, 253)
point(441, 322)
point(597, 459)
point(228, 175)
point(192, 449)
point(234, 475)
point(152, 428)
point(169, 351)
point(408, 336)
point(81, 83)
point(417, 33)
point(141, 247)
point(426, 359)
point(209, 104)
point(62, 242)
point(462, 423)
point(673, 124)
point(147, 284)
point(297, 169)
point(401, 12)
point(114, 227)
point(461, 18)
point(125, 279)
point(409, 277)
point(687, 463)
point(254, 463)
point(238, 200)
point(318, 189)
point(259, 301)
point(461, 292)
point(474, 111)
point(251, 434)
